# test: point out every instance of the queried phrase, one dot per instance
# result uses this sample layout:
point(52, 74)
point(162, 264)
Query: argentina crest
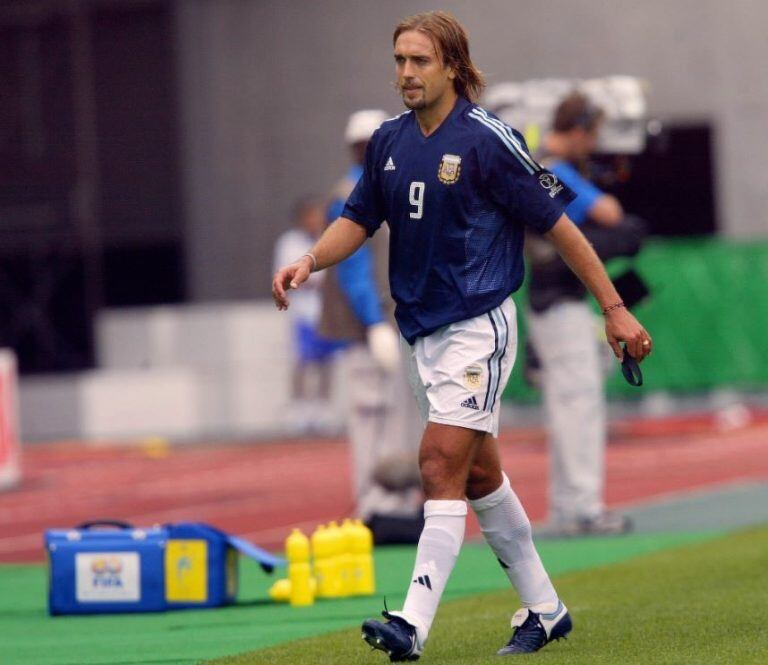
point(450, 169)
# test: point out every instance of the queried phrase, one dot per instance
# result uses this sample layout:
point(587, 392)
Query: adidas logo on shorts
point(471, 403)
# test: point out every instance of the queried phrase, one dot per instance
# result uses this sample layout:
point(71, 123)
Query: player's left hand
point(622, 326)
point(290, 277)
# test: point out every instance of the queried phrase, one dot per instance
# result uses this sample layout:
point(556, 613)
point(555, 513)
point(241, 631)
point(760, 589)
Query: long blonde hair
point(452, 46)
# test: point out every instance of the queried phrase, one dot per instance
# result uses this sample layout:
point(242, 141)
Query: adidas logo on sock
point(390, 165)
point(424, 581)
point(471, 403)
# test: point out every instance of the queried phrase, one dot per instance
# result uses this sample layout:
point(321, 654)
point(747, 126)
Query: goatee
point(414, 105)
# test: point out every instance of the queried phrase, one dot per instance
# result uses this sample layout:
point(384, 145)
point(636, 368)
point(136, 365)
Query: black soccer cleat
point(535, 630)
point(396, 637)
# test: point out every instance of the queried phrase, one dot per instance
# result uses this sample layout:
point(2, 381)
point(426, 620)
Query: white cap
point(362, 124)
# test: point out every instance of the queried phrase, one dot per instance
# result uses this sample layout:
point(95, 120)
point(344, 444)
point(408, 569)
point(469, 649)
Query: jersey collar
point(461, 104)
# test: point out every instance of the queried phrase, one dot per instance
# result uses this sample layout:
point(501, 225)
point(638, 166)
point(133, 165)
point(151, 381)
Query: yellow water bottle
point(364, 579)
point(297, 554)
point(280, 591)
point(334, 587)
point(347, 560)
point(321, 555)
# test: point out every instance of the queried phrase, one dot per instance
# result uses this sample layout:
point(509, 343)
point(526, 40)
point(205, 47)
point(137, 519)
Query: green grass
point(29, 636)
point(701, 603)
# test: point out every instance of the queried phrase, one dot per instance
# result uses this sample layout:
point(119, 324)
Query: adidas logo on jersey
point(390, 165)
point(471, 403)
point(424, 581)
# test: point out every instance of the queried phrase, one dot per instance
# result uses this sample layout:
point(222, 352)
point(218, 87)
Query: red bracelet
point(617, 305)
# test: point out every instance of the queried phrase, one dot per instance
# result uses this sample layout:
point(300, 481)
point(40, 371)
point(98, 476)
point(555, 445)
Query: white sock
point(439, 545)
point(508, 531)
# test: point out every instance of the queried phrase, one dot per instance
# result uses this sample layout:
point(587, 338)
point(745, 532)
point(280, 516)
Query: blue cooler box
point(125, 569)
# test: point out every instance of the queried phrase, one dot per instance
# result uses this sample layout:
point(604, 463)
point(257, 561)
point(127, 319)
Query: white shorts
point(459, 372)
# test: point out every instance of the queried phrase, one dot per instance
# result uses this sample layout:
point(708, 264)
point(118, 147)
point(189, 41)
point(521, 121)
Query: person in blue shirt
point(383, 425)
point(563, 331)
point(458, 188)
point(360, 277)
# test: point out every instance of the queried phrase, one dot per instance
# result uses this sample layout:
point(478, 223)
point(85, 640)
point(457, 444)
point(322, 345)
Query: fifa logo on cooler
point(107, 572)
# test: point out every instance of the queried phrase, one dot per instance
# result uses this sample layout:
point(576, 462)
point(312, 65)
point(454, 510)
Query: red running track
point(262, 490)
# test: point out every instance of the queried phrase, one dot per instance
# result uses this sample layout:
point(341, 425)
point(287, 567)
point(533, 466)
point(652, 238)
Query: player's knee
point(434, 467)
point(482, 481)
point(440, 474)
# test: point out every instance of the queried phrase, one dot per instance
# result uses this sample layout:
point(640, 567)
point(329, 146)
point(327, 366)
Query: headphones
point(587, 119)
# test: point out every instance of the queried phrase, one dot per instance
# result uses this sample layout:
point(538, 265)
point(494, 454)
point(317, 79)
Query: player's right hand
point(290, 277)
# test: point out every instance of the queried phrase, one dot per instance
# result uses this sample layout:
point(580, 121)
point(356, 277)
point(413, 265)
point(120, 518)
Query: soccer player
point(457, 188)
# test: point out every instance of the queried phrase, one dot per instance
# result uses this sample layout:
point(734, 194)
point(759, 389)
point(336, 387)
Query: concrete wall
point(185, 372)
point(266, 88)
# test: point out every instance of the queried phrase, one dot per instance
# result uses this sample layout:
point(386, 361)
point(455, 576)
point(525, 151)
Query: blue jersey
point(457, 203)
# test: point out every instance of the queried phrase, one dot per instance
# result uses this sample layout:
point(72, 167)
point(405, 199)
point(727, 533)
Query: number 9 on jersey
point(416, 198)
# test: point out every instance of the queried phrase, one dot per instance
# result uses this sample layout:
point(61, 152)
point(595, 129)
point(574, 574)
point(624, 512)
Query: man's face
point(584, 141)
point(421, 77)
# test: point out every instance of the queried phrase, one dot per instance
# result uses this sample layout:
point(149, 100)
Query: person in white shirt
point(311, 375)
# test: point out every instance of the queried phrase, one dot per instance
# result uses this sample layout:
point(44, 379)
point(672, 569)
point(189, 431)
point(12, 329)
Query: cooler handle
point(118, 524)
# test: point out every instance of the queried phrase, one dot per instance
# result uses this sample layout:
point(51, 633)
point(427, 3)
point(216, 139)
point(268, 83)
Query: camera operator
point(564, 333)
